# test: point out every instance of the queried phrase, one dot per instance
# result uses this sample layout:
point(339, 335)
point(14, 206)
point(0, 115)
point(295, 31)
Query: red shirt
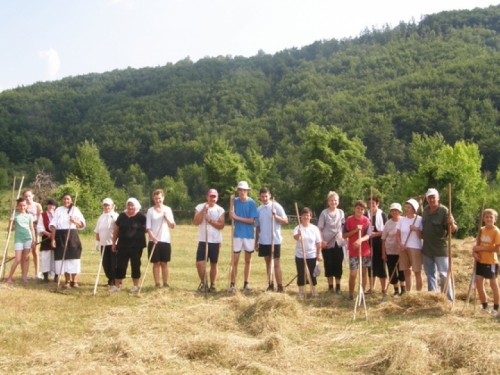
point(352, 223)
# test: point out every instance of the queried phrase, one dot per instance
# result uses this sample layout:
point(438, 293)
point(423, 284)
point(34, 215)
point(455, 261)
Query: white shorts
point(247, 244)
point(69, 266)
point(23, 246)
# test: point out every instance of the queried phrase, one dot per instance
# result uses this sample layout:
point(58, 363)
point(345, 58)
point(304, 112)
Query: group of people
point(391, 250)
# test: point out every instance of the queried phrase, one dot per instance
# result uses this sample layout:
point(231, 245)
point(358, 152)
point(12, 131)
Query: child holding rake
point(353, 224)
point(24, 240)
point(485, 254)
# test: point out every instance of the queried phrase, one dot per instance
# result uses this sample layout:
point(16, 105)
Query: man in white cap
point(244, 214)
point(435, 221)
point(209, 217)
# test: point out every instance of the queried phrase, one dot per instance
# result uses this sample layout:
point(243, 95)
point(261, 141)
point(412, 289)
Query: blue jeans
point(430, 266)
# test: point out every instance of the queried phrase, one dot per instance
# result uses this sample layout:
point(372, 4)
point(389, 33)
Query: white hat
point(108, 201)
point(412, 202)
point(135, 202)
point(395, 206)
point(432, 191)
point(243, 185)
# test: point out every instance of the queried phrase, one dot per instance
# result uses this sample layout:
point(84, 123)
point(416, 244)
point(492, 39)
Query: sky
point(44, 40)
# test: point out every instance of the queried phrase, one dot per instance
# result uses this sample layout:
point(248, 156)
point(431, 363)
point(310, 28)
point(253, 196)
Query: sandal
point(75, 285)
point(67, 285)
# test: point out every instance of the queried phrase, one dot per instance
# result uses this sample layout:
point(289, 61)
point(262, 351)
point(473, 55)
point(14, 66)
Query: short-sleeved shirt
point(489, 237)
point(413, 241)
point(435, 232)
point(247, 210)
point(22, 232)
point(155, 220)
point(131, 231)
point(264, 222)
point(389, 236)
point(351, 223)
point(310, 237)
point(214, 234)
point(331, 224)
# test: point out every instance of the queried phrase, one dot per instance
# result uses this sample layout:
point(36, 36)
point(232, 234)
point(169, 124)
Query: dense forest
point(398, 109)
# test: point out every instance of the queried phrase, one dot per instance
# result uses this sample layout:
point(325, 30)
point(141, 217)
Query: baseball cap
point(108, 201)
point(432, 191)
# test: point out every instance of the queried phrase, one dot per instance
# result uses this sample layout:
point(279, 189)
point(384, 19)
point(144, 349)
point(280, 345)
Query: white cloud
point(52, 62)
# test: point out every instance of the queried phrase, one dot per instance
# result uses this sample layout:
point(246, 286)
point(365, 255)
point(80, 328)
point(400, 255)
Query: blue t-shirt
point(246, 210)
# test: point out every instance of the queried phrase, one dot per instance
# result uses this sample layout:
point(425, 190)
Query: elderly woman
point(129, 240)
point(104, 238)
point(409, 238)
point(390, 249)
point(308, 243)
point(331, 223)
point(159, 219)
point(68, 248)
point(46, 249)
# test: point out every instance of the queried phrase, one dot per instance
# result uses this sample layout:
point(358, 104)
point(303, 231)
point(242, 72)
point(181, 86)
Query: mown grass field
point(178, 331)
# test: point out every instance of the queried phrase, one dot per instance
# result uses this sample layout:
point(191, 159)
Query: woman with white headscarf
point(129, 240)
point(104, 238)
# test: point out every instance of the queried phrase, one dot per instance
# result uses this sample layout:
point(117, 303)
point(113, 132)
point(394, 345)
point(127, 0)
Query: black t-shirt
point(131, 231)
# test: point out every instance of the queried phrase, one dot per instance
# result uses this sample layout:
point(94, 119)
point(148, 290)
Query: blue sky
point(44, 40)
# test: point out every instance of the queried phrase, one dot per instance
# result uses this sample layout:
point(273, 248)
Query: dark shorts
point(162, 253)
point(265, 251)
point(213, 252)
point(488, 271)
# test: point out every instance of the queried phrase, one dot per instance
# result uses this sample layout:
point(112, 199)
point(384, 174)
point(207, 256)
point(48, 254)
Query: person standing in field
point(485, 253)
point(64, 226)
point(35, 210)
point(24, 240)
point(435, 221)
point(104, 229)
point(159, 221)
point(308, 244)
point(244, 215)
point(354, 225)
point(331, 223)
point(129, 241)
point(210, 219)
point(267, 212)
point(390, 250)
point(46, 249)
point(378, 218)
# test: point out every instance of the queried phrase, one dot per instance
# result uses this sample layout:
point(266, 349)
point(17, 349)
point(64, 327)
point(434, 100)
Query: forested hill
point(441, 75)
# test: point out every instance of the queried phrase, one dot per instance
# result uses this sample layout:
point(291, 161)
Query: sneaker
point(485, 310)
point(9, 280)
point(351, 297)
point(39, 277)
point(114, 289)
point(56, 279)
point(270, 288)
point(231, 289)
point(493, 312)
point(134, 289)
point(338, 292)
point(247, 288)
point(280, 289)
point(315, 294)
point(300, 294)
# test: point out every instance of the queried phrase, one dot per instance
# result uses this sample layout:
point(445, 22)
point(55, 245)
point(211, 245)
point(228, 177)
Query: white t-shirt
point(155, 219)
point(404, 227)
point(214, 234)
point(310, 237)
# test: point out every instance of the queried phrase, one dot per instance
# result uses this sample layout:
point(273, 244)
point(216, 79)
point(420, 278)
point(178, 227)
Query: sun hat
point(412, 202)
point(243, 185)
point(432, 191)
point(396, 206)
